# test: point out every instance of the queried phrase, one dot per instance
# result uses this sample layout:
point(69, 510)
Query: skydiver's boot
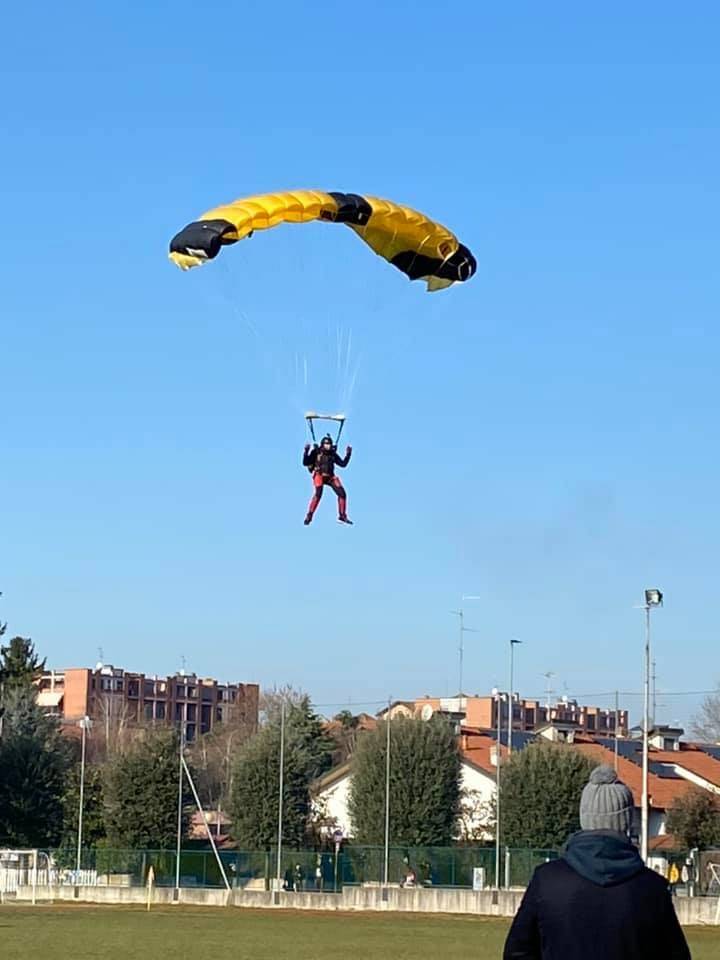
point(343, 518)
point(308, 519)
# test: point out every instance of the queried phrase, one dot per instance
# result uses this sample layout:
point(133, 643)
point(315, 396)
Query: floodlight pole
point(386, 866)
point(498, 703)
point(83, 724)
point(653, 598)
point(179, 810)
point(280, 800)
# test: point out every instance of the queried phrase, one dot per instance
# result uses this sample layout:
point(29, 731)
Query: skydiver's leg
point(342, 500)
point(316, 498)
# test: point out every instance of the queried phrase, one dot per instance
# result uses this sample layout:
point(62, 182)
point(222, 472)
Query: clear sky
point(544, 437)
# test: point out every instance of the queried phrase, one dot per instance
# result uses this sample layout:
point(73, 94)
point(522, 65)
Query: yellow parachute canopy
point(418, 246)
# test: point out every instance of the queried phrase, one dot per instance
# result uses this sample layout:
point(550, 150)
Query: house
point(331, 792)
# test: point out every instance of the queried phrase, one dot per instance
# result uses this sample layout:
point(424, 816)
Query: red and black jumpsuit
point(322, 465)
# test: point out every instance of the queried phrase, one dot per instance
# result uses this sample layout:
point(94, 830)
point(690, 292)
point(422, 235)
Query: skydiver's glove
point(348, 450)
point(307, 447)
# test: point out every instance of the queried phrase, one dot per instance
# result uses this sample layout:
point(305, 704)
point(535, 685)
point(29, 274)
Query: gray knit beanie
point(606, 803)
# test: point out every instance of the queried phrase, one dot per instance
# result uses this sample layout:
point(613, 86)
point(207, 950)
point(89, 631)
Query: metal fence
point(305, 870)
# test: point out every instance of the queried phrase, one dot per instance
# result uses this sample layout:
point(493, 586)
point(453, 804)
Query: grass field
point(78, 932)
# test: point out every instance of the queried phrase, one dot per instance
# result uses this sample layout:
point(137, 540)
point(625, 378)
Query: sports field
point(202, 933)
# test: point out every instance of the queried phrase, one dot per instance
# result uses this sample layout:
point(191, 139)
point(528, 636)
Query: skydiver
point(321, 462)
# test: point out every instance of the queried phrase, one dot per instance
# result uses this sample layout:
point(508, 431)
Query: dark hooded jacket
point(597, 902)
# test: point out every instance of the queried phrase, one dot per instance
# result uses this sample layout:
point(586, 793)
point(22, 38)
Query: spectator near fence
point(598, 901)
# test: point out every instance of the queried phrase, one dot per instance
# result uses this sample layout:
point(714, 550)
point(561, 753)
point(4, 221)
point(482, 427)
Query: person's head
point(606, 803)
point(327, 442)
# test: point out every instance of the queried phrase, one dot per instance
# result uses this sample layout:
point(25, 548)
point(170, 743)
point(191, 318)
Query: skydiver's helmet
point(327, 442)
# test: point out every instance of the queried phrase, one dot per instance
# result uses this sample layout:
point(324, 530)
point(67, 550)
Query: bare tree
point(476, 817)
point(271, 701)
point(111, 733)
point(706, 724)
point(213, 757)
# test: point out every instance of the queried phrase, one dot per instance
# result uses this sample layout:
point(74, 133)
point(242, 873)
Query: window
point(190, 732)
point(180, 691)
point(133, 688)
point(191, 711)
point(591, 722)
point(530, 717)
point(159, 710)
point(148, 709)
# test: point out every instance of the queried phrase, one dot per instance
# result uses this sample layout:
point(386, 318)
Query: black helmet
point(327, 439)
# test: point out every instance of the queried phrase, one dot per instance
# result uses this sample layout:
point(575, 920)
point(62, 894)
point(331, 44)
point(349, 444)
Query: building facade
point(481, 713)
point(115, 697)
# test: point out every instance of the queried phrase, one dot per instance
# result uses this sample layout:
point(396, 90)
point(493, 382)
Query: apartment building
point(112, 695)
point(481, 713)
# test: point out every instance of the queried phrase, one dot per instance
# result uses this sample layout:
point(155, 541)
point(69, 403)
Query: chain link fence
point(303, 870)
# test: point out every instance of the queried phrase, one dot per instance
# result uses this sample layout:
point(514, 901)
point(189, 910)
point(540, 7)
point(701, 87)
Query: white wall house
point(331, 795)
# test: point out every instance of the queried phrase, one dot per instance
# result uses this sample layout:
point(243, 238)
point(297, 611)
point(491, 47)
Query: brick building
point(528, 715)
point(111, 695)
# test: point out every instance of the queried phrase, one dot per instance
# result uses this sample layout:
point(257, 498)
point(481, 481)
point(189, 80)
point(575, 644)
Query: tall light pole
point(653, 598)
point(386, 863)
point(510, 702)
point(281, 787)
point(498, 697)
point(84, 725)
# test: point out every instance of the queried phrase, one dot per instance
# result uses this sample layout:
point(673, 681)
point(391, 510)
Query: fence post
point(507, 868)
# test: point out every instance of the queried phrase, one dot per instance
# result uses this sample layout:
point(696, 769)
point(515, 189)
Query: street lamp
point(84, 725)
point(499, 699)
point(510, 704)
point(653, 598)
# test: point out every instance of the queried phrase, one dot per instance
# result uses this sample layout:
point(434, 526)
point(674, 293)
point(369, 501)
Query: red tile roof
point(661, 792)
point(693, 759)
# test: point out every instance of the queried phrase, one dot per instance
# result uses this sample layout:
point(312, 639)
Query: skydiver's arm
point(344, 461)
point(309, 456)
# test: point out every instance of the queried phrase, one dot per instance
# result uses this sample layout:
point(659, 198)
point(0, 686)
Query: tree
point(34, 760)
point(19, 664)
point(214, 758)
point(424, 783)
point(141, 794)
point(540, 791)
point(93, 808)
point(706, 725)
point(254, 797)
point(695, 819)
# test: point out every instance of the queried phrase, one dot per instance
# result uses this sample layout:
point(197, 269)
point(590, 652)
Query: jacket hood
point(603, 857)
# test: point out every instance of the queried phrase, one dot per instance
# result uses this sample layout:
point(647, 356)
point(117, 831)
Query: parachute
point(418, 246)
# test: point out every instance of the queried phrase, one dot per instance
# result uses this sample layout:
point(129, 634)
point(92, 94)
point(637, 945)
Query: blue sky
point(543, 437)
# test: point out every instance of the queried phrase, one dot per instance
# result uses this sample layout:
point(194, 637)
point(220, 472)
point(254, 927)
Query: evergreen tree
point(254, 798)
point(19, 663)
point(540, 792)
point(34, 761)
point(424, 783)
point(141, 794)
point(695, 819)
point(93, 808)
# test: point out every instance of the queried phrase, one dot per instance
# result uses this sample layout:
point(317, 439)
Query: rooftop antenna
point(548, 689)
point(463, 630)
